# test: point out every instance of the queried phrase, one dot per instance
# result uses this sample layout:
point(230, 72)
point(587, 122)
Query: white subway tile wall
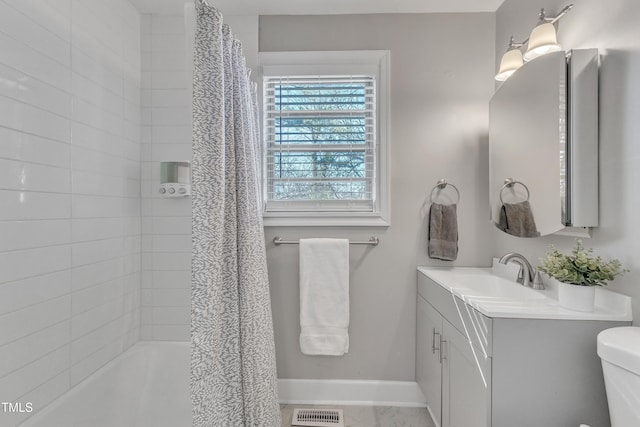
point(70, 228)
point(166, 136)
point(166, 223)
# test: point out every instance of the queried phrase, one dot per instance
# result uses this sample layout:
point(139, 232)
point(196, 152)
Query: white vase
point(575, 297)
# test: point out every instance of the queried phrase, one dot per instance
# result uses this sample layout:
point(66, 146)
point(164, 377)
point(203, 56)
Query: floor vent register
point(318, 417)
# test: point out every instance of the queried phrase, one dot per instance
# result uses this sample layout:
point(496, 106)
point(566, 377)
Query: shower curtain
point(233, 371)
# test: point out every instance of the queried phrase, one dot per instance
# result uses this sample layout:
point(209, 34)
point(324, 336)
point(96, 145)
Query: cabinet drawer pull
point(433, 341)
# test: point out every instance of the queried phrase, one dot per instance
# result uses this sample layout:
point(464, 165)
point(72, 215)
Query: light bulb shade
point(511, 61)
point(543, 40)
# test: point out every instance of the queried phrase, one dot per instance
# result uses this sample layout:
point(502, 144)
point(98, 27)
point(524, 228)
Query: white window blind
point(320, 141)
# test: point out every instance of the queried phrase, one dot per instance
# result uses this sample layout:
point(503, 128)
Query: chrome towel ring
point(509, 183)
point(441, 185)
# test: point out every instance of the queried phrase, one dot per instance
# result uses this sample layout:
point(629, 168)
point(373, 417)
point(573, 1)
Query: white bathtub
point(147, 386)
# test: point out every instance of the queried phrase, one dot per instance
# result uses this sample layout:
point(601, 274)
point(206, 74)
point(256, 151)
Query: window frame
point(331, 63)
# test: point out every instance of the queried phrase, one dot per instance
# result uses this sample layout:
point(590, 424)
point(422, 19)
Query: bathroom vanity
point(491, 352)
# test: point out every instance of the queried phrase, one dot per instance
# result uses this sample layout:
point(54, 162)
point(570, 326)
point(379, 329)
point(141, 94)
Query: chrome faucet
point(526, 274)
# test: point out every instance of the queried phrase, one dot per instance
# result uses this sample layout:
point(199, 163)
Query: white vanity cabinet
point(452, 373)
point(482, 371)
point(466, 391)
point(428, 365)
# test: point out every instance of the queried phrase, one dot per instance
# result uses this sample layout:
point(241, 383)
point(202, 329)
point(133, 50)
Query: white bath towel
point(324, 296)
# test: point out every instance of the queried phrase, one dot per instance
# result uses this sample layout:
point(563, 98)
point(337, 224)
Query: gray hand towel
point(443, 232)
point(517, 219)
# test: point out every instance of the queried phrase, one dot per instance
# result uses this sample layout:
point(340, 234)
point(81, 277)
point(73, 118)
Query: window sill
point(324, 219)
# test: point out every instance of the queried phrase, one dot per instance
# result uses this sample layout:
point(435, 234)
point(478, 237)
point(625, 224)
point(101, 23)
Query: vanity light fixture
point(511, 61)
point(543, 40)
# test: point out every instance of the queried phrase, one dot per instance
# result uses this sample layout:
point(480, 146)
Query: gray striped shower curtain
point(233, 371)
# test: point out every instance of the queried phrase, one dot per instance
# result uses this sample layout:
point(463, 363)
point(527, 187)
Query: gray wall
point(442, 79)
point(613, 28)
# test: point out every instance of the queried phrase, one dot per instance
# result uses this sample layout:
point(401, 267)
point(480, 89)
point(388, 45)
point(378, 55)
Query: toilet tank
point(619, 349)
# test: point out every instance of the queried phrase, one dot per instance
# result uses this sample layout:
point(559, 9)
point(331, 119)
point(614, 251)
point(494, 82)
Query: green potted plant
point(578, 274)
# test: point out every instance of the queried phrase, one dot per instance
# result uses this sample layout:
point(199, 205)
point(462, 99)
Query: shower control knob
point(172, 190)
point(162, 190)
point(182, 191)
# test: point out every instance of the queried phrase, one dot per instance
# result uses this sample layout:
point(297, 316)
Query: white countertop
point(495, 296)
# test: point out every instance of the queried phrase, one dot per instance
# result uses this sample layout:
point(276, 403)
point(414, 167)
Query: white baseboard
point(351, 393)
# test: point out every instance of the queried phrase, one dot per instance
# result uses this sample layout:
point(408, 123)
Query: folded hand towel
point(443, 232)
point(517, 219)
point(324, 296)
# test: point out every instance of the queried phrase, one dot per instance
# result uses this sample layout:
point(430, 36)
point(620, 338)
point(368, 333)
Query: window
point(320, 141)
point(325, 151)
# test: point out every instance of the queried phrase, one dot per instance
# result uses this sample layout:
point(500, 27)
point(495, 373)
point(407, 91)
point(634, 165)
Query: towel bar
point(373, 241)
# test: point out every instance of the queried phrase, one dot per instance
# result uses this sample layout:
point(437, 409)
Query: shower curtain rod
point(373, 241)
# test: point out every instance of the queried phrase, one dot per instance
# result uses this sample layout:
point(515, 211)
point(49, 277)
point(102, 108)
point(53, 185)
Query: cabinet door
point(466, 382)
point(428, 367)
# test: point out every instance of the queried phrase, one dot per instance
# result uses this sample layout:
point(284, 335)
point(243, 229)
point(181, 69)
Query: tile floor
point(370, 416)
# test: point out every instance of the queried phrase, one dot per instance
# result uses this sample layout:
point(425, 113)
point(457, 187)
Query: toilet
point(619, 349)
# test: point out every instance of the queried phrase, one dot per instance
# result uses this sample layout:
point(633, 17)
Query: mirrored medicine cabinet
point(543, 139)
